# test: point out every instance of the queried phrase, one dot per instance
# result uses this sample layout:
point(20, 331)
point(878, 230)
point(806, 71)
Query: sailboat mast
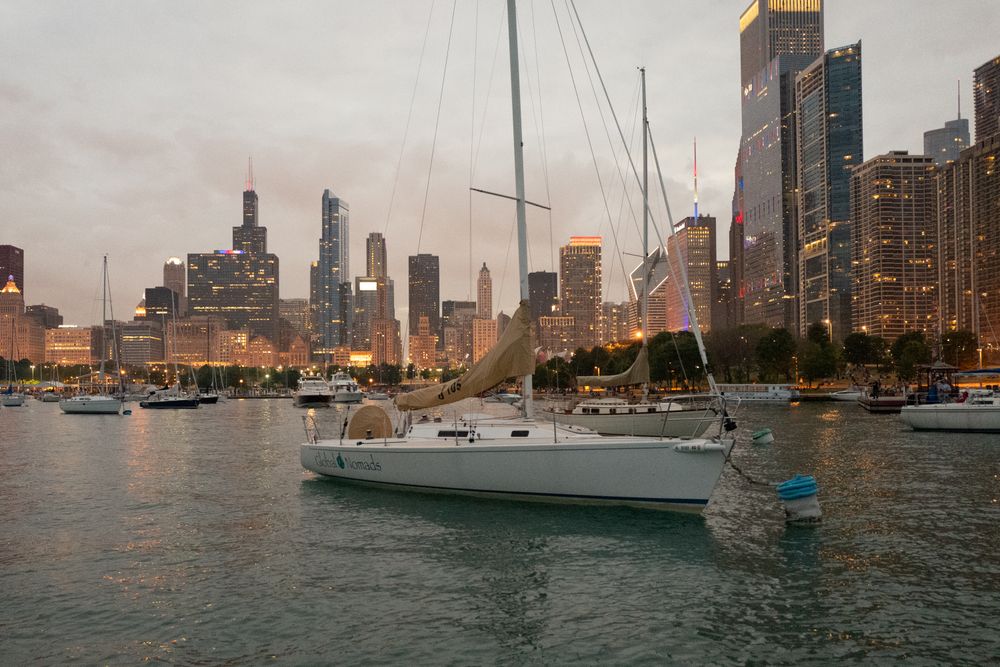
point(522, 230)
point(645, 223)
point(104, 320)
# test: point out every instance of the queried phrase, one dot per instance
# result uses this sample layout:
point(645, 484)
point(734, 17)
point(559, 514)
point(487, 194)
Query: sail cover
point(637, 373)
point(512, 356)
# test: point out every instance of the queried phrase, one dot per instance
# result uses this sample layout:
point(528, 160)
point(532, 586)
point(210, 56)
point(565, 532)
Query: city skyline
point(149, 169)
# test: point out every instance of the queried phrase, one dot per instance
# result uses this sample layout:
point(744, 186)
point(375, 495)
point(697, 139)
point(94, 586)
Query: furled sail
point(512, 356)
point(637, 373)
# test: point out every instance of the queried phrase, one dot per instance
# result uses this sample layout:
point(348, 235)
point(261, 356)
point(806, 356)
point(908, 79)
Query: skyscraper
point(333, 269)
point(484, 294)
point(543, 294)
point(777, 40)
point(376, 265)
point(241, 287)
point(425, 292)
point(944, 144)
point(769, 29)
point(829, 144)
point(238, 284)
point(968, 232)
point(12, 265)
point(175, 278)
point(250, 237)
point(893, 220)
point(580, 283)
point(986, 97)
point(693, 247)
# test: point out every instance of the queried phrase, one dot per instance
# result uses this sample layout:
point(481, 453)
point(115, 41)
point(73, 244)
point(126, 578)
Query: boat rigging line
point(409, 115)
point(437, 123)
point(590, 143)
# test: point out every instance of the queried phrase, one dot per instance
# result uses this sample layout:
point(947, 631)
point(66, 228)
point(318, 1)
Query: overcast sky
point(126, 126)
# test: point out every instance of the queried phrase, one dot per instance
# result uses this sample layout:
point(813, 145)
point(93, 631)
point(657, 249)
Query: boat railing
point(709, 409)
point(312, 430)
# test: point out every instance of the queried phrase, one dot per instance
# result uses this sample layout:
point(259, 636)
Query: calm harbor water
point(195, 537)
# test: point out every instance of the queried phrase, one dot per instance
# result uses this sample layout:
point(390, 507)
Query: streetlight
point(829, 326)
point(33, 370)
point(978, 349)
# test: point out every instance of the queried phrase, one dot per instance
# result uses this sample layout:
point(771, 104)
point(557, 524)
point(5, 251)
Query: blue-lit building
point(829, 144)
point(332, 283)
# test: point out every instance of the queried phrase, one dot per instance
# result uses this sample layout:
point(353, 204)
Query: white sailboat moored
point(517, 458)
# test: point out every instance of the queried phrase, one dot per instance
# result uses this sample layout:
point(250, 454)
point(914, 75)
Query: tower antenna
point(249, 183)
point(696, 179)
point(959, 86)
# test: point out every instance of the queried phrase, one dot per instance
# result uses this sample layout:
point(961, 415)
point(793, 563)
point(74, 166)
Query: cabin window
point(631, 411)
point(453, 434)
point(613, 411)
point(650, 409)
point(519, 434)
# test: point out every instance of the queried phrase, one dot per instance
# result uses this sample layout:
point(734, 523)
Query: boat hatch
point(453, 434)
point(519, 434)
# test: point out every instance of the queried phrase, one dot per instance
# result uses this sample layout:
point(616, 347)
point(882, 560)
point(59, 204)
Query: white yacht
point(850, 395)
point(313, 392)
point(95, 404)
point(979, 412)
point(345, 389)
point(770, 393)
point(681, 417)
point(517, 458)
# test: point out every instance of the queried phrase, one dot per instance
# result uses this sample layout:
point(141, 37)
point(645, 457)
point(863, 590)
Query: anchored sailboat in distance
point(102, 403)
point(684, 416)
point(515, 458)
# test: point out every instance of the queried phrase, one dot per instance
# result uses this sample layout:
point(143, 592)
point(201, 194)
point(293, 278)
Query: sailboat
point(685, 416)
point(101, 403)
point(8, 397)
point(171, 397)
point(211, 395)
point(518, 458)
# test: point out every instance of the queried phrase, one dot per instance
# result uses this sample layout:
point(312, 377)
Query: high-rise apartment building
point(484, 337)
point(778, 39)
point(12, 266)
point(543, 294)
point(141, 342)
point(580, 288)
point(296, 313)
point(457, 331)
point(484, 294)
point(21, 336)
point(968, 198)
point(376, 262)
point(944, 144)
point(691, 251)
point(986, 98)
point(425, 292)
point(829, 145)
point(175, 278)
point(614, 322)
point(893, 220)
point(332, 270)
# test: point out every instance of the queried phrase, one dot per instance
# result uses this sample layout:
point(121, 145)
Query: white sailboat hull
point(90, 405)
point(672, 424)
point(952, 417)
point(12, 400)
point(658, 474)
point(348, 397)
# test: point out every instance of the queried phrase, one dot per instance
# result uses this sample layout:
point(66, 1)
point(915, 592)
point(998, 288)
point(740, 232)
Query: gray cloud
point(127, 125)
